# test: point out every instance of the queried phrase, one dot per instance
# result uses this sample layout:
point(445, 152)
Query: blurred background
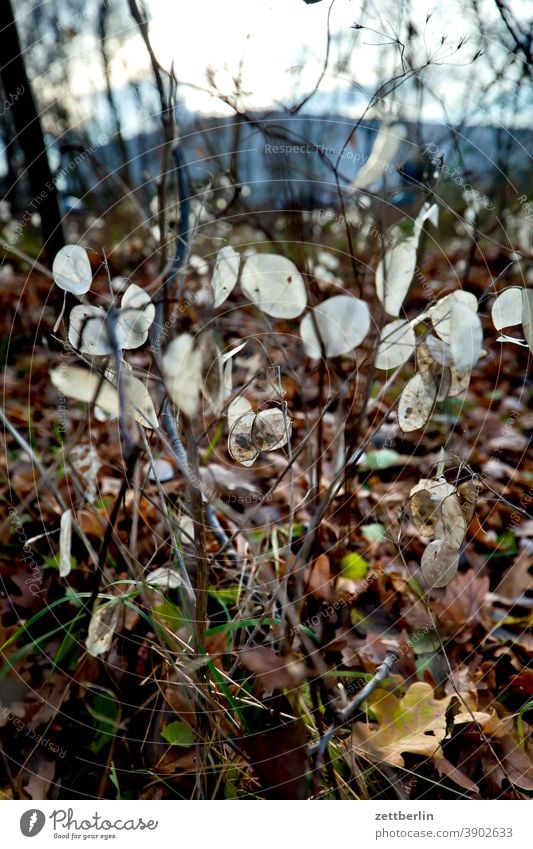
point(276, 106)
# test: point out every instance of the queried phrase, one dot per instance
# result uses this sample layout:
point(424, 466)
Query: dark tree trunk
point(9, 182)
point(29, 132)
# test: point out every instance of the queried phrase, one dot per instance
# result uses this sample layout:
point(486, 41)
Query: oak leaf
point(415, 724)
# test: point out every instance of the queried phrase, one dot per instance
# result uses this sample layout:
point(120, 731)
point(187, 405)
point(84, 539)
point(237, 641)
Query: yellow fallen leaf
point(415, 724)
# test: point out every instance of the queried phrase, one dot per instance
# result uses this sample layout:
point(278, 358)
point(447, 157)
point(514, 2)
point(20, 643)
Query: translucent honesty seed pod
point(416, 403)
point(441, 312)
point(425, 499)
point(439, 564)
point(441, 513)
point(394, 274)
point(71, 270)
point(527, 316)
point(225, 274)
point(65, 543)
point(383, 151)
point(342, 323)
point(395, 271)
point(435, 362)
point(241, 445)
point(227, 369)
point(237, 408)
point(456, 322)
point(104, 621)
point(274, 284)
point(432, 372)
point(271, 430)
point(439, 350)
point(467, 494)
point(397, 343)
point(182, 373)
point(164, 577)
point(459, 381)
point(507, 308)
point(135, 317)
point(466, 337)
point(137, 400)
point(212, 373)
point(451, 525)
point(90, 387)
point(252, 433)
point(88, 331)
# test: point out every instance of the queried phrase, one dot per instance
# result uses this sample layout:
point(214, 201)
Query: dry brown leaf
point(522, 683)
point(182, 704)
point(273, 671)
point(465, 601)
point(415, 724)
point(518, 764)
point(279, 756)
point(371, 651)
point(450, 771)
point(318, 578)
point(517, 579)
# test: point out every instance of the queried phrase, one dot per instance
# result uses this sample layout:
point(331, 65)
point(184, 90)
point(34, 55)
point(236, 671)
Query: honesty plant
point(446, 342)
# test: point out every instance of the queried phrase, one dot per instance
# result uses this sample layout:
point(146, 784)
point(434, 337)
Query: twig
point(318, 83)
point(348, 713)
point(31, 453)
point(180, 455)
point(167, 121)
point(197, 511)
point(9, 248)
point(219, 532)
point(183, 232)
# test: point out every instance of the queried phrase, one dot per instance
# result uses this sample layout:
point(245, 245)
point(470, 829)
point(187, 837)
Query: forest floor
point(451, 720)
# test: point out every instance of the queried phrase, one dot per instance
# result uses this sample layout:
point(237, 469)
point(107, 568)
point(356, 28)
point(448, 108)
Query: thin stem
point(348, 713)
point(198, 516)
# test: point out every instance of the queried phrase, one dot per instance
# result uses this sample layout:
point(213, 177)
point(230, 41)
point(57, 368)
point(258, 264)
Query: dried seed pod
point(271, 429)
point(425, 500)
point(252, 433)
point(397, 343)
point(459, 381)
point(439, 564)
point(240, 442)
point(451, 526)
point(432, 371)
point(416, 403)
point(467, 494)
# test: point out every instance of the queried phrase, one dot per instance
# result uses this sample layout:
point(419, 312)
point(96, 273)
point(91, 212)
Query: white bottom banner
point(267, 825)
